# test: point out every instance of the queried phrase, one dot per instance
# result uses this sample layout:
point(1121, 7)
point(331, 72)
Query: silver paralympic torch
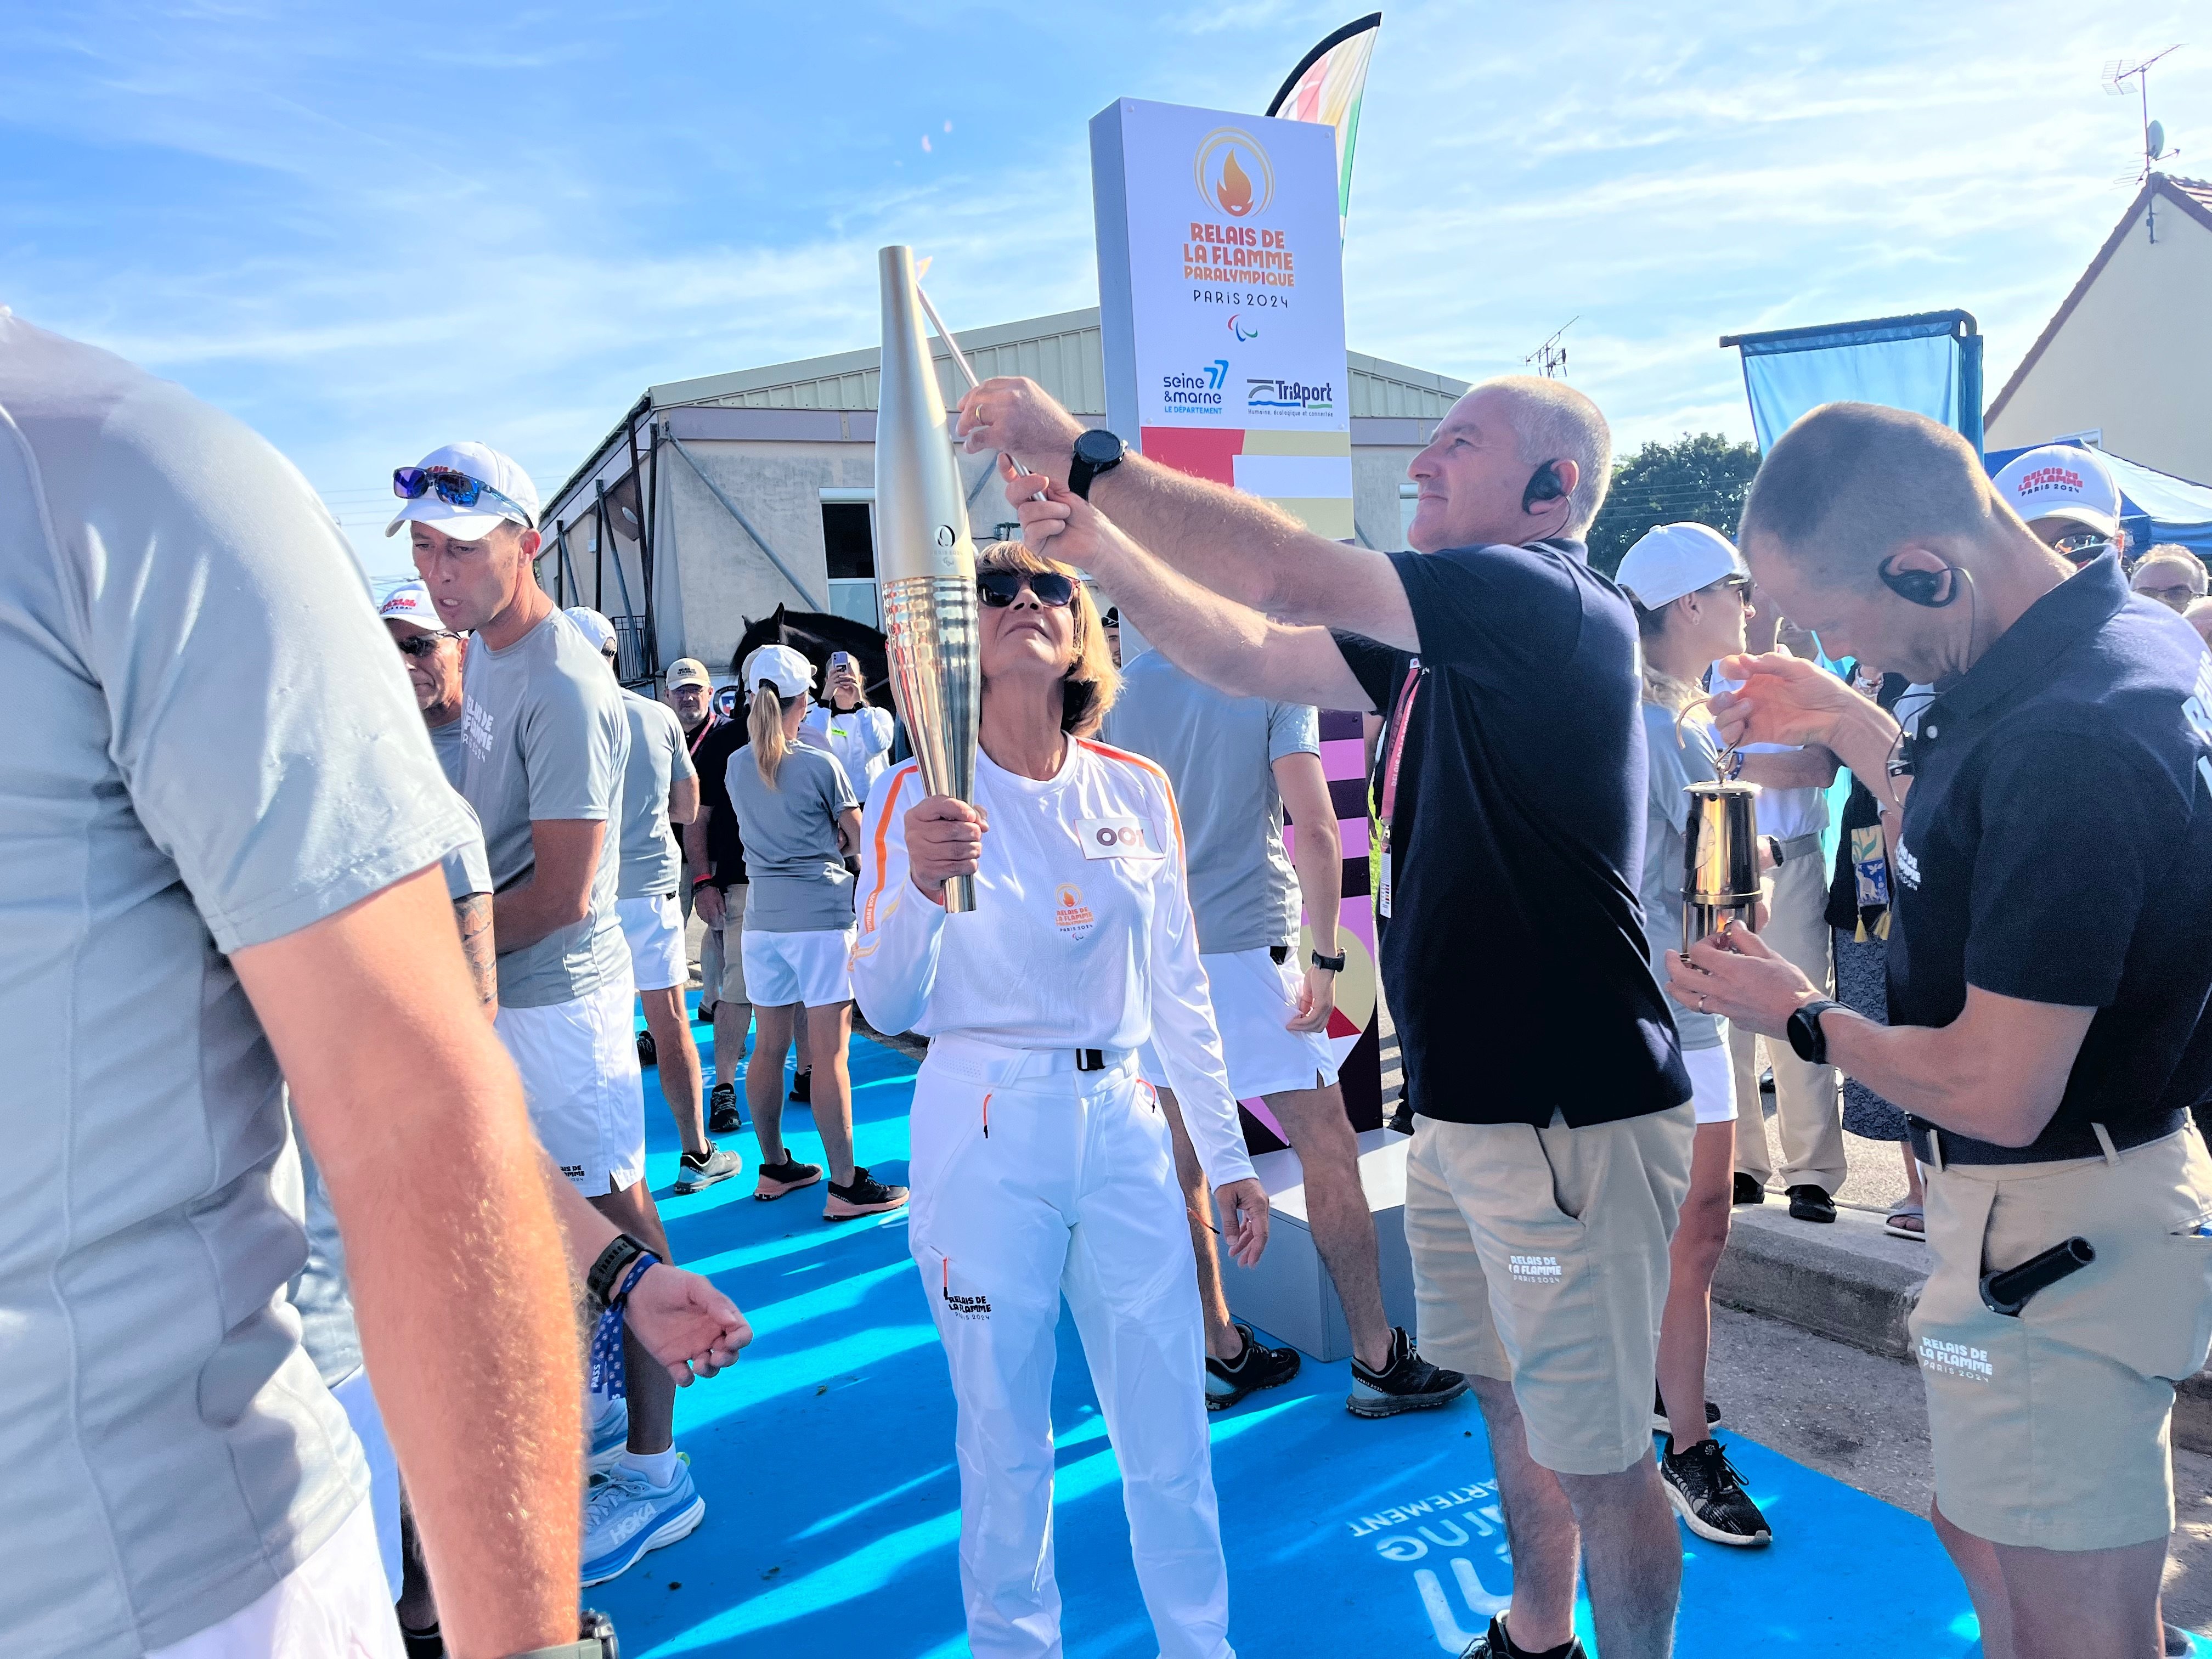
point(924, 558)
point(1720, 860)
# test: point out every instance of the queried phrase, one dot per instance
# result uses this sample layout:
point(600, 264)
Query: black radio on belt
point(1090, 1059)
point(2008, 1291)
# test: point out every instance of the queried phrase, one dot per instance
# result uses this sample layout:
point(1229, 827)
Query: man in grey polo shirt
point(432, 656)
point(1236, 763)
point(545, 743)
point(219, 827)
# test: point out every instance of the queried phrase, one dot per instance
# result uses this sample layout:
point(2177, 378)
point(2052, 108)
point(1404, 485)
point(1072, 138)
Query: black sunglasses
point(423, 644)
point(1000, 588)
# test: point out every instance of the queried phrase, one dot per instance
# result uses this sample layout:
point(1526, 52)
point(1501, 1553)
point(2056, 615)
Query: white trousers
point(1032, 1181)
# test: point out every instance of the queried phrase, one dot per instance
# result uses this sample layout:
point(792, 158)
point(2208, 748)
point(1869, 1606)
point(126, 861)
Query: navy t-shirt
point(1514, 958)
point(2057, 847)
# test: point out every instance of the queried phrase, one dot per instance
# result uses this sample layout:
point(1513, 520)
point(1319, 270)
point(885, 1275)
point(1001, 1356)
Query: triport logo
point(1233, 173)
point(1289, 396)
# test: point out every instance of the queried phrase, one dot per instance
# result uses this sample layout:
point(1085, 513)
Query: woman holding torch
point(1041, 1166)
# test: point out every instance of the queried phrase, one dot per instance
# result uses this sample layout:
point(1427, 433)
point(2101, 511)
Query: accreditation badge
point(1382, 896)
point(1870, 868)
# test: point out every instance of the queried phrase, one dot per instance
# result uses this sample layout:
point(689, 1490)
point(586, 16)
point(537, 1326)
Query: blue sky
point(369, 231)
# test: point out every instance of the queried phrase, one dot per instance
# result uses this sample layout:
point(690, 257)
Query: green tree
point(1700, 476)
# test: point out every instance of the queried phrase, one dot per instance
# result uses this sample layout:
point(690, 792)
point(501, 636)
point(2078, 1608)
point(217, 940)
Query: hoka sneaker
point(698, 1170)
point(1407, 1383)
point(865, 1196)
point(626, 1515)
point(1493, 1644)
point(723, 1117)
point(1257, 1367)
point(1708, 1493)
point(610, 1438)
point(789, 1177)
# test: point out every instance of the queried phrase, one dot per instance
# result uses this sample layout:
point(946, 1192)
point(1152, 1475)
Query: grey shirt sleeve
point(1293, 728)
point(468, 866)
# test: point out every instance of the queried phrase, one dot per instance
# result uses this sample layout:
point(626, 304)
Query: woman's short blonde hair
point(1092, 681)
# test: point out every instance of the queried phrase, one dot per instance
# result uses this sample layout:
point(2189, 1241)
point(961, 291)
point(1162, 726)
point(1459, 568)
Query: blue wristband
point(607, 1377)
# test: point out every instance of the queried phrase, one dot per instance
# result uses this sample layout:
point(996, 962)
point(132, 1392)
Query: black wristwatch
point(1806, 1038)
point(1095, 452)
point(1774, 850)
point(595, 1639)
point(606, 1274)
point(1329, 964)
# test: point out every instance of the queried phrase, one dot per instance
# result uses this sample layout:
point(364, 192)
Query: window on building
point(848, 540)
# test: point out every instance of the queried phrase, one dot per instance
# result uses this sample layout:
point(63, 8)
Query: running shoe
point(1661, 1423)
point(1749, 1189)
point(865, 1196)
point(1257, 1367)
point(1407, 1383)
point(802, 1087)
point(1810, 1203)
point(698, 1170)
point(610, 1438)
point(723, 1117)
point(1708, 1493)
point(789, 1177)
point(626, 1515)
point(648, 1052)
point(1494, 1644)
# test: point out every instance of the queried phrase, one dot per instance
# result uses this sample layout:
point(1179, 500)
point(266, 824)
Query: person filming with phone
point(2048, 966)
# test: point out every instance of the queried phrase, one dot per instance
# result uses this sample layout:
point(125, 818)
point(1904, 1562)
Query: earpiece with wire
point(1544, 486)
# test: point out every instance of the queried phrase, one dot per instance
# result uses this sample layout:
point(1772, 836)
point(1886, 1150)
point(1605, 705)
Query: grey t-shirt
point(799, 882)
point(1681, 755)
point(1220, 752)
point(651, 862)
point(546, 737)
point(214, 747)
point(446, 740)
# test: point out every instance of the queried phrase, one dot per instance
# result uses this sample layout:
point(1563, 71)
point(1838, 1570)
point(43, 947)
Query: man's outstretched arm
point(1228, 645)
point(1236, 545)
point(416, 1119)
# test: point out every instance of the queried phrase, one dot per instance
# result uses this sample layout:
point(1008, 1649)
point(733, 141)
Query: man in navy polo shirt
point(2049, 967)
point(1541, 1192)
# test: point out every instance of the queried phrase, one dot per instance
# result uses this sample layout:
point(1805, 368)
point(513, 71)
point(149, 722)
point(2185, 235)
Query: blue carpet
point(833, 1504)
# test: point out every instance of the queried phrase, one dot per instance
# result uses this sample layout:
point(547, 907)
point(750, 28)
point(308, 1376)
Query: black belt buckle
point(1090, 1059)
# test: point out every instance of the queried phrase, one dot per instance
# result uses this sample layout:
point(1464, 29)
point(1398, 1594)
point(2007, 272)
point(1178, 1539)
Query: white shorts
point(331, 1606)
point(367, 1419)
point(1254, 998)
point(653, 927)
point(579, 1066)
point(815, 967)
point(1712, 1079)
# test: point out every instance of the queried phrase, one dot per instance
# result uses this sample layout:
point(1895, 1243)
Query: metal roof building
point(715, 500)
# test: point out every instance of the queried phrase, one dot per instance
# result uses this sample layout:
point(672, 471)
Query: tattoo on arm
point(473, 916)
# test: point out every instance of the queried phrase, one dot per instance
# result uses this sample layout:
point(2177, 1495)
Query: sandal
point(1915, 1215)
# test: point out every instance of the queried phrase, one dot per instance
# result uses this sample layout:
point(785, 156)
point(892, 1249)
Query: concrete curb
point(1853, 1283)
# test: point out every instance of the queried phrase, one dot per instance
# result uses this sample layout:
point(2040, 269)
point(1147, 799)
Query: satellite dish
point(2154, 140)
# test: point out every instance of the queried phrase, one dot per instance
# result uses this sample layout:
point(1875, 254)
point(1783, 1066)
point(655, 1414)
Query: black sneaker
point(866, 1195)
point(802, 1087)
point(1661, 1423)
point(1258, 1367)
point(1811, 1203)
point(723, 1117)
point(1407, 1383)
point(1749, 1189)
point(1708, 1493)
point(648, 1052)
point(1493, 1644)
point(774, 1180)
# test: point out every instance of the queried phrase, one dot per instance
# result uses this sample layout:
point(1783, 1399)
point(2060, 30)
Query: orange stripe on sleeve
point(883, 835)
point(1174, 815)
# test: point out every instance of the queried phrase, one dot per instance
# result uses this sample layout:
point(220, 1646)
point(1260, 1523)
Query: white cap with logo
point(1675, 559)
point(2059, 481)
point(689, 671)
point(409, 603)
point(789, 672)
point(506, 495)
point(597, 628)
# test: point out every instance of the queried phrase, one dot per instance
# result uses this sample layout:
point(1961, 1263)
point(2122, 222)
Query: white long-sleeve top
point(1081, 936)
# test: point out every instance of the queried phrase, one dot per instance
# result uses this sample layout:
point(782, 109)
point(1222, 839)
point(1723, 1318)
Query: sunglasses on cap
point(456, 489)
point(423, 645)
point(1000, 588)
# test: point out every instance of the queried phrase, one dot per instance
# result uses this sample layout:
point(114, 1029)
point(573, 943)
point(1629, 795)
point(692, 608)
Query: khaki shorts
point(2051, 1428)
point(722, 953)
point(1540, 1259)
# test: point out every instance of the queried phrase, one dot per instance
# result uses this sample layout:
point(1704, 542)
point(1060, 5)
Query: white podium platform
point(1289, 1294)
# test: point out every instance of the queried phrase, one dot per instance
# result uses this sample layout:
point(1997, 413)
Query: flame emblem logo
point(1233, 173)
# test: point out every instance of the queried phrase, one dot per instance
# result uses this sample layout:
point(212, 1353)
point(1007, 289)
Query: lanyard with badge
point(1400, 719)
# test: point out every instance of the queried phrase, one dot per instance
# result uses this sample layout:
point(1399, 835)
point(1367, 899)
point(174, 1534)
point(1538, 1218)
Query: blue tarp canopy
point(2155, 507)
point(1930, 363)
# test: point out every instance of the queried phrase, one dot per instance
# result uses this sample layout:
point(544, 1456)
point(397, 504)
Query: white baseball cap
point(597, 628)
point(409, 603)
point(513, 500)
point(1675, 559)
point(689, 671)
point(790, 673)
point(2059, 481)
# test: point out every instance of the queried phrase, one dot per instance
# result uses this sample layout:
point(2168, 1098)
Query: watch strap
point(1332, 964)
point(1807, 1040)
point(1082, 471)
point(613, 1263)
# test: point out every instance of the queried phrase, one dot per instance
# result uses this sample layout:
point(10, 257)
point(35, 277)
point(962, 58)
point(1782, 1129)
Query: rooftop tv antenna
point(2118, 72)
point(1550, 359)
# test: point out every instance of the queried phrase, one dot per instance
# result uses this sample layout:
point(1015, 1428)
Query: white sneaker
point(626, 1515)
point(698, 1170)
